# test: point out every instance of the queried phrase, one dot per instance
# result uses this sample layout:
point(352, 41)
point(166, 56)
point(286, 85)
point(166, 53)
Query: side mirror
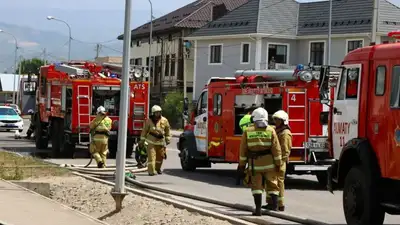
point(185, 104)
point(324, 118)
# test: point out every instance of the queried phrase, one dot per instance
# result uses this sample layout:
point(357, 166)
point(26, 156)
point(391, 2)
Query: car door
point(200, 127)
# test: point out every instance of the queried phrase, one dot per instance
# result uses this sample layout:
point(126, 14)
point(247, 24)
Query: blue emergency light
point(300, 67)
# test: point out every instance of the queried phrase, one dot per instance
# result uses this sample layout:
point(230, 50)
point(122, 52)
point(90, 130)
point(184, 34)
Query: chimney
point(218, 11)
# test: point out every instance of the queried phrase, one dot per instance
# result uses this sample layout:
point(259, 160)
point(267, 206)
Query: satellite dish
point(146, 74)
point(137, 73)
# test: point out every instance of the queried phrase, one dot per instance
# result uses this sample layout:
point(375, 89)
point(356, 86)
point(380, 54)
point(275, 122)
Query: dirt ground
point(94, 199)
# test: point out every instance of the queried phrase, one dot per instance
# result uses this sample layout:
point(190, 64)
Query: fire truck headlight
point(305, 76)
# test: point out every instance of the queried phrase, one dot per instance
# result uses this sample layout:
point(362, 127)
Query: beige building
point(109, 59)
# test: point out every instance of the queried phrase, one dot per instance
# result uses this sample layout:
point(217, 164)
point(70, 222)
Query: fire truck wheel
point(57, 137)
point(360, 203)
point(187, 163)
point(322, 178)
point(40, 141)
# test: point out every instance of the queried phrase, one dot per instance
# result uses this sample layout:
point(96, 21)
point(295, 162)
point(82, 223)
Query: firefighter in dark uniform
point(281, 119)
point(261, 150)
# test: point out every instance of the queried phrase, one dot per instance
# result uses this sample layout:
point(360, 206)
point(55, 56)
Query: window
point(215, 54)
point(354, 44)
point(107, 96)
point(352, 83)
point(29, 87)
point(317, 53)
point(7, 111)
point(395, 92)
point(341, 90)
point(167, 65)
point(202, 104)
point(138, 62)
point(217, 104)
point(245, 53)
point(380, 80)
point(132, 61)
point(173, 61)
point(277, 53)
point(43, 84)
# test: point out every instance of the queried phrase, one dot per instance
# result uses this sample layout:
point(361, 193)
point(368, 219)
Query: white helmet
point(155, 109)
point(260, 114)
point(280, 114)
point(101, 110)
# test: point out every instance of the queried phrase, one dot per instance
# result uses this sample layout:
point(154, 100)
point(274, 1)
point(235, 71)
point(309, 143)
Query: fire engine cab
point(213, 134)
point(364, 132)
point(67, 98)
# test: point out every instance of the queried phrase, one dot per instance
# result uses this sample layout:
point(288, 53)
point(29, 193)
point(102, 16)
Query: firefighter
point(100, 131)
point(156, 132)
point(281, 119)
point(260, 149)
point(31, 125)
point(245, 121)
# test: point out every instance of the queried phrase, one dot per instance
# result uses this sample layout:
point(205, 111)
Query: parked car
point(10, 120)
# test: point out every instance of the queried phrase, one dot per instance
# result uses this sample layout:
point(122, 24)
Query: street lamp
point(70, 37)
point(15, 61)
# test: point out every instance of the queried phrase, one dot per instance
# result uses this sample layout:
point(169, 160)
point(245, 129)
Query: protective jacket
point(285, 140)
point(260, 149)
point(157, 132)
point(100, 128)
point(245, 122)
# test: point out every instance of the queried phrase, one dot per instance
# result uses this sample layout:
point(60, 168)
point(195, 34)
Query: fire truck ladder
point(291, 105)
point(83, 112)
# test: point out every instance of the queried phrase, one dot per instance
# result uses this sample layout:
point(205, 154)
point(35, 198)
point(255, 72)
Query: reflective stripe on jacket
point(245, 122)
point(100, 125)
point(161, 128)
point(260, 140)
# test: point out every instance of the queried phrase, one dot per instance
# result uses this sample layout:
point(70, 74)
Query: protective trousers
point(258, 183)
point(280, 176)
point(156, 154)
point(99, 150)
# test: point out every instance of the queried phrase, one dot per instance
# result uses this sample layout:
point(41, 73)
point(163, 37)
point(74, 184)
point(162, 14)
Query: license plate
point(10, 125)
point(113, 132)
point(314, 145)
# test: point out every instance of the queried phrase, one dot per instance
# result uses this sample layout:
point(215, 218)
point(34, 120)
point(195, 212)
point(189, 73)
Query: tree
point(173, 108)
point(30, 66)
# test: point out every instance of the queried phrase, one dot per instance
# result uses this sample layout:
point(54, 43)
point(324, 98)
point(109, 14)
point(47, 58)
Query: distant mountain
point(33, 41)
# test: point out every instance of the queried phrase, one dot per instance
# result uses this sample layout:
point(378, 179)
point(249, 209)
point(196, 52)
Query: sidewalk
point(19, 206)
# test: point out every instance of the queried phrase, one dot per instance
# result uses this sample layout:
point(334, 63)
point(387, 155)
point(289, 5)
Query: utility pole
point(98, 48)
point(19, 80)
point(119, 192)
point(374, 22)
point(330, 32)
point(44, 56)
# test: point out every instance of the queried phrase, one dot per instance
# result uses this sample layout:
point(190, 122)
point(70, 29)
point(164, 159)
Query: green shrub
point(173, 108)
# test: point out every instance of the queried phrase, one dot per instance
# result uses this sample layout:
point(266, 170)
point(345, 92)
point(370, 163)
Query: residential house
point(265, 34)
point(168, 49)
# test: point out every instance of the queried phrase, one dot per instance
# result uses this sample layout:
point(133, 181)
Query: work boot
point(159, 171)
point(152, 174)
point(100, 165)
point(281, 208)
point(274, 205)
point(257, 202)
point(267, 205)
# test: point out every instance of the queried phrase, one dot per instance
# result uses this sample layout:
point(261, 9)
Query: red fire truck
point(364, 132)
point(213, 135)
point(67, 98)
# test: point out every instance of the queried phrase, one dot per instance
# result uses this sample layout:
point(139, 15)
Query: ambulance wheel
point(360, 199)
point(187, 163)
point(322, 178)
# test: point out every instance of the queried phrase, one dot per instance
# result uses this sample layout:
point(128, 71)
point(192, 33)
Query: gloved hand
point(167, 142)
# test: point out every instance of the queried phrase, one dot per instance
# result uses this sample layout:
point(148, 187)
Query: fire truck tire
point(57, 137)
point(40, 141)
point(360, 203)
point(322, 178)
point(187, 163)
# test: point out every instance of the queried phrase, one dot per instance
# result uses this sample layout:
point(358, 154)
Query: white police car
point(10, 120)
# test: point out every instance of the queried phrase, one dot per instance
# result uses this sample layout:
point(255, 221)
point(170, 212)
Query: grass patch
point(14, 167)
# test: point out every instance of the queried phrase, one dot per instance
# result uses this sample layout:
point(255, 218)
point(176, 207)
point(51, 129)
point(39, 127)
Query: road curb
point(54, 201)
point(175, 203)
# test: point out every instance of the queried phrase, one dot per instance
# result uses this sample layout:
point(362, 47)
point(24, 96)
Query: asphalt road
point(304, 197)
